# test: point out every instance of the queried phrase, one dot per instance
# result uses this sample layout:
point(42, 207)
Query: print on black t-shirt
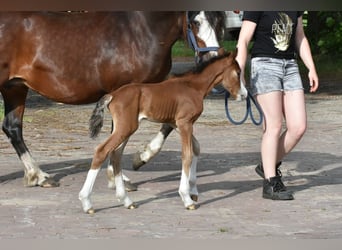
point(274, 34)
point(282, 31)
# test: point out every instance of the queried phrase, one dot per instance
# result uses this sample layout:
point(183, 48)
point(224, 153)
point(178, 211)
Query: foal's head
point(231, 78)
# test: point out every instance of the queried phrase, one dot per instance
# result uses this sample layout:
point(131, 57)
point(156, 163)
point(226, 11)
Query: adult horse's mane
point(215, 19)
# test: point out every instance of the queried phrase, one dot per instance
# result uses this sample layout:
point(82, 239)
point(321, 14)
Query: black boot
point(275, 189)
point(260, 170)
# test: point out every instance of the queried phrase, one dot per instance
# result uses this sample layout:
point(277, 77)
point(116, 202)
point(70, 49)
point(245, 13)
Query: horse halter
point(193, 43)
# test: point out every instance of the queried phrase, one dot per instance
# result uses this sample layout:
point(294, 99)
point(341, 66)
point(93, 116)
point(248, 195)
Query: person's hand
point(313, 80)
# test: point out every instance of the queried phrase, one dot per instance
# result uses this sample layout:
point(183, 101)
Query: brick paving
point(230, 202)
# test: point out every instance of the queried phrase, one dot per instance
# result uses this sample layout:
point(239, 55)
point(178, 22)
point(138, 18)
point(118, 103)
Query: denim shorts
point(273, 74)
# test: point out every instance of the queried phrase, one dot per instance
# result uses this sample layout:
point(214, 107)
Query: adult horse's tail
point(96, 119)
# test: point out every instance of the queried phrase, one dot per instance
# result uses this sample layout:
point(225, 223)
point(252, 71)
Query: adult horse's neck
point(163, 24)
point(165, 33)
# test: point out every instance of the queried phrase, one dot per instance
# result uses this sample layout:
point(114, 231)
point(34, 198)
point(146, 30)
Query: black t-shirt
point(274, 35)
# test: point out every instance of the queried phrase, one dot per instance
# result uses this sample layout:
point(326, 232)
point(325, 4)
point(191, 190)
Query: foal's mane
point(200, 67)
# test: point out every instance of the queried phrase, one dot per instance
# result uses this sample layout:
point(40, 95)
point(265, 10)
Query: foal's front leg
point(110, 171)
point(115, 158)
point(152, 148)
point(193, 169)
point(188, 177)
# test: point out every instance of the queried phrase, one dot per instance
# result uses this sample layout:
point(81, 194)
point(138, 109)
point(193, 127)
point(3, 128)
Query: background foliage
point(324, 31)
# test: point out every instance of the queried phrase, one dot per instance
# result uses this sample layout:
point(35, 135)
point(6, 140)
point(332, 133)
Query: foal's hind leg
point(151, 149)
point(14, 94)
point(115, 141)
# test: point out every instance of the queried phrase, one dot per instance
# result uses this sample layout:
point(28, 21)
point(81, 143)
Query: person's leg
point(272, 107)
point(267, 86)
point(295, 116)
point(294, 109)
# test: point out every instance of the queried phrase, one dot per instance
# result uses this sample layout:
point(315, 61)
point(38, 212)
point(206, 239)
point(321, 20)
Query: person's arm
point(303, 48)
point(245, 36)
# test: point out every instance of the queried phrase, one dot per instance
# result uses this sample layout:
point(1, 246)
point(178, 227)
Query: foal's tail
point(96, 119)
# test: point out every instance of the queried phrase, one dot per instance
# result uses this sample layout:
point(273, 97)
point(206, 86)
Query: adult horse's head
point(208, 27)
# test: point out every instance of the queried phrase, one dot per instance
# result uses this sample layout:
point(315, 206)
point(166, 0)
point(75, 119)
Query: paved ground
point(230, 192)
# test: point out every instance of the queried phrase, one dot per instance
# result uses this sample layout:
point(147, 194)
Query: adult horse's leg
point(152, 148)
point(14, 94)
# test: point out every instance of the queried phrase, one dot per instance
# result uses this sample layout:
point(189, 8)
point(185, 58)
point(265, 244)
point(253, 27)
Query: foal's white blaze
point(84, 195)
point(206, 32)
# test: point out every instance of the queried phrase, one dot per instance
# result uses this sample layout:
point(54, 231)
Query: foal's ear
point(221, 51)
point(233, 53)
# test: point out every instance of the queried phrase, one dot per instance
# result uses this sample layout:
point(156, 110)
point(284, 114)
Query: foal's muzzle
point(243, 93)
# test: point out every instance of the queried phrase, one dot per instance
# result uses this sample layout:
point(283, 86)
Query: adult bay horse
point(76, 58)
point(177, 101)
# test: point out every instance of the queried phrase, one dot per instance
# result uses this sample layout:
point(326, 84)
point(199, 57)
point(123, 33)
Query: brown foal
point(177, 101)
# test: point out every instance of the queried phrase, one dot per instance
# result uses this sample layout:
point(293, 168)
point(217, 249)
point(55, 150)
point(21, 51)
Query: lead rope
point(249, 111)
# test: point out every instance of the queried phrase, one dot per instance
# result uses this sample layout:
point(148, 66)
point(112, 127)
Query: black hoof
point(137, 162)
